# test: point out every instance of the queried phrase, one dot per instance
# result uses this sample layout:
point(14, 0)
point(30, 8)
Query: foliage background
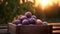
point(9, 9)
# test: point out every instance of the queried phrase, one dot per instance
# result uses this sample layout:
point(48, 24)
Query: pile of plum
point(28, 19)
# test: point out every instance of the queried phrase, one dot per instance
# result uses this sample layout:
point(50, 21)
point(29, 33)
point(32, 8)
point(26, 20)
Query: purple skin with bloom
point(39, 22)
point(23, 17)
point(33, 16)
point(25, 22)
point(19, 17)
point(16, 22)
point(28, 14)
point(32, 21)
point(45, 23)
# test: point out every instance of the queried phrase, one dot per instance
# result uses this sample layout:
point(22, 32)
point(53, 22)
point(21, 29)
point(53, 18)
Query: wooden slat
point(53, 23)
point(3, 30)
point(56, 31)
point(56, 28)
point(3, 27)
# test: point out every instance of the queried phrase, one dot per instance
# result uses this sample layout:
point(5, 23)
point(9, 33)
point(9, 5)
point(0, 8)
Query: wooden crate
point(30, 29)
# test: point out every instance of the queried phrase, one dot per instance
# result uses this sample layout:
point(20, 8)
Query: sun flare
point(43, 3)
point(46, 3)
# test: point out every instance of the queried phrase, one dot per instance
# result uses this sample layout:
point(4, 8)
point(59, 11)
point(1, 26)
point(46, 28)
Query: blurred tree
point(7, 8)
point(28, 6)
point(23, 1)
point(12, 8)
point(53, 13)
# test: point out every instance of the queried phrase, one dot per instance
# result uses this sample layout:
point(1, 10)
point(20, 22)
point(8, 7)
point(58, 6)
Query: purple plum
point(39, 22)
point(25, 22)
point(16, 22)
point(19, 17)
point(28, 14)
point(44, 23)
point(33, 16)
point(32, 21)
point(19, 24)
point(23, 17)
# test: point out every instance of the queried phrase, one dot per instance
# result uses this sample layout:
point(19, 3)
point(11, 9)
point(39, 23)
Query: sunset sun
point(45, 3)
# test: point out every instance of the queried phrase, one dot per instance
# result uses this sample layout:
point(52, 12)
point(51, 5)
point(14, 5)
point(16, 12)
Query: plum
point(39, 22)
point(32, 21)
point(19, 17)
point(23, 17)
point(28, 14)
point(44, 23)
point(16, 22)
point(33, 16)
point(19, 24)
point(25, 22)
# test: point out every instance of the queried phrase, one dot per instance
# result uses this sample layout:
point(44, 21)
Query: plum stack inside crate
point(30, 29)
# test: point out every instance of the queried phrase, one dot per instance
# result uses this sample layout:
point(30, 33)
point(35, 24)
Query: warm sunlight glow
point(46, 3)
point(59, 2)
point(20, 1)
point(43, 3)
point(30, 0)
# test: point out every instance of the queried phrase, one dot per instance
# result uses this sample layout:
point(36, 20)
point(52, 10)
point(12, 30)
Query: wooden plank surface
point(54, 24)
point(56, 31)
point(56, 28)
point(3, 30)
